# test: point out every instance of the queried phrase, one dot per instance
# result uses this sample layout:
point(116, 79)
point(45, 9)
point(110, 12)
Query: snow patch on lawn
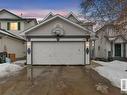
point(9, 69)
point(20, 62)
point(113, 71)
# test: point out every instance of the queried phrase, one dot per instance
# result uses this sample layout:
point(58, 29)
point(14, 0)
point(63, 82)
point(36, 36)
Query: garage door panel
point(58, 53)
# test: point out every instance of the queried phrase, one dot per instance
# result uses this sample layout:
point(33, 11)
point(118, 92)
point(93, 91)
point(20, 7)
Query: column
point(29, 52)
point(87, 52)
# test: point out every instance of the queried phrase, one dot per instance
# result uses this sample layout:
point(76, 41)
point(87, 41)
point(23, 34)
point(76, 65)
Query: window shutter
point(8, 26)
point(19, 26)
point(0, 25)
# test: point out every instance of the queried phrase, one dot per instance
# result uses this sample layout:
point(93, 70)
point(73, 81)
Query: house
point(10, 27)
point(14, 23)
point(111, 42)
point(58, 40)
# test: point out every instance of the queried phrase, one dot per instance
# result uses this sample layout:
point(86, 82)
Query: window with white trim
point(13, 26)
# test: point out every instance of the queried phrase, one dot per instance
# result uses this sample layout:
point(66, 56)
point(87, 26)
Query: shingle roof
point(18, 17)
point(7, 33)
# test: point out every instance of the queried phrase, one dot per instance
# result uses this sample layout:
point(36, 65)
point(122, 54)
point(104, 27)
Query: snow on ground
point(20, 62)
point(9, 69)
point(113, 71)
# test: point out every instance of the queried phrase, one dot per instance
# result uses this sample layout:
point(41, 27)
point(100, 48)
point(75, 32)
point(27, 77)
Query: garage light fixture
point(28, 47)
point(87, 44)
point(87, 47)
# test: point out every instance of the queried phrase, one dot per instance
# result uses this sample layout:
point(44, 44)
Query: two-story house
point(10, 27)
point(111, 42)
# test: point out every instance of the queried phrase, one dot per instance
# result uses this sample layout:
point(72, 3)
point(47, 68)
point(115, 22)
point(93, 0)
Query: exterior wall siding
point(102, 46)
point(14, 46)
point(7, 15)
point(47, 28)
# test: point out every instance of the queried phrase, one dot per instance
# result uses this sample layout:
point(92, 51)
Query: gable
point(72, 18)
point(66, 26)
point(50, 15)
point(119, 39)
point(7, 15)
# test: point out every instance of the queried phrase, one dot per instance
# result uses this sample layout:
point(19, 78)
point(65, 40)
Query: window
point(14, 26)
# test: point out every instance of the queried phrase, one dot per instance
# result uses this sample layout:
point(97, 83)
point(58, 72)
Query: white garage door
point(58, 53)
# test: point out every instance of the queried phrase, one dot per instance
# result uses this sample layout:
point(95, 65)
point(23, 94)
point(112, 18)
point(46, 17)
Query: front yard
point(113, 71)
point(10, 69)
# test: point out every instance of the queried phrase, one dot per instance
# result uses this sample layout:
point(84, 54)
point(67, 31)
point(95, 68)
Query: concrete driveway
point(54, 80)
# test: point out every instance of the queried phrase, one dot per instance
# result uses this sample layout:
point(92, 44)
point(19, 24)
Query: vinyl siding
point(13, 46)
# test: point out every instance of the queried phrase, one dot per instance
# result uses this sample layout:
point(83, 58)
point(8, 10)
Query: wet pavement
point(53, 80)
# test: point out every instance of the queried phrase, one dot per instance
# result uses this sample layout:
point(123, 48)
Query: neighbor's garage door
point(58, 53)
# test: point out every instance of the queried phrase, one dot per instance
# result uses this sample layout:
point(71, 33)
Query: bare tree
point(104, 10)
point(107, 11)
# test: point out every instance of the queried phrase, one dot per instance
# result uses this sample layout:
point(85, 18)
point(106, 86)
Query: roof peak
point(5, 10)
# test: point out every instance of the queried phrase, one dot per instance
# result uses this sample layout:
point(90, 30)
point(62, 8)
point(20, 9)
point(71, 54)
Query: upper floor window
point(13, 26)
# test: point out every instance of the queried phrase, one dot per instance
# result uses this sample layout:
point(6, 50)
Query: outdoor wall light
point(87, 44)
point(28, 50)
point(87, 47)
point(28, 47)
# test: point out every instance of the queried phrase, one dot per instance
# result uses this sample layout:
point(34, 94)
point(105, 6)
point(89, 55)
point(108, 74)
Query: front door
point(118, 50)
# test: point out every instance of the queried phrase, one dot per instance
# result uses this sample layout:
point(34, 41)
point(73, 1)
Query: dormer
point(71, 16)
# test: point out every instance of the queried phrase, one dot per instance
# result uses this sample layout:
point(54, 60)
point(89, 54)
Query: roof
point(109, 24)
point(73, 15)
point(48, 16)
point(18, 17)
point(56, 16)
point(113, 38)
point(7, 33)
point(4, 10)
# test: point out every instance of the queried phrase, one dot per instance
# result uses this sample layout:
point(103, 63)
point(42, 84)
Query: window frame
point(18, 27)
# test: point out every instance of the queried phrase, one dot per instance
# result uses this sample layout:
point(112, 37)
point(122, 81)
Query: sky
point(40, 8)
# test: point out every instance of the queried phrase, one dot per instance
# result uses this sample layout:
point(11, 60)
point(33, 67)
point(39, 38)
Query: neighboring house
point(12, 44)
point(59, 40)
point(111, 42)
point(11, 24)
point(14, 23)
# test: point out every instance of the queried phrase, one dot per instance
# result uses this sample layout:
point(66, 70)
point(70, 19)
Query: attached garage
point(57, 41)
point(56, 53)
